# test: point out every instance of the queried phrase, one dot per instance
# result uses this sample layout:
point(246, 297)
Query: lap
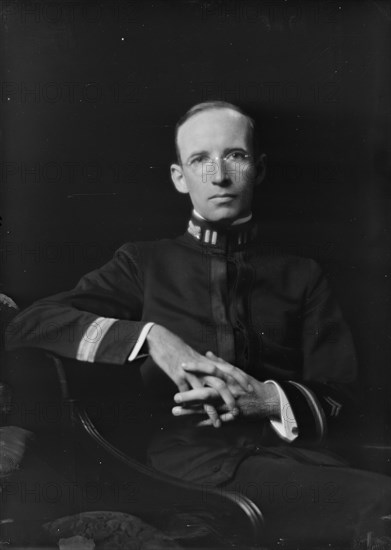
point(309, 501)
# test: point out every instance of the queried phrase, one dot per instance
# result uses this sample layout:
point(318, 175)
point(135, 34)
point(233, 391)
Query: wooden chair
point(90, 433)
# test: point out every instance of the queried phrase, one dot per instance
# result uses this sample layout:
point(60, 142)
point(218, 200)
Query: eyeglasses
point(205, 165)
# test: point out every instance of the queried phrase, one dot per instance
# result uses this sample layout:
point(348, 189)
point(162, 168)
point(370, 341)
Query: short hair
point(215, 104)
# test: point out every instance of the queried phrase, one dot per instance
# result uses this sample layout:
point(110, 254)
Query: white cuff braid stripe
point(92, 338)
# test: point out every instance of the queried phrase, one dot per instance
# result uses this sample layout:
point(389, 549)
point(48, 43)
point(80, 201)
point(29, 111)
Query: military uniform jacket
point(272, 316)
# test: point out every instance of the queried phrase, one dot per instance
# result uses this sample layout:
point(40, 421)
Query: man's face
point(218, 168)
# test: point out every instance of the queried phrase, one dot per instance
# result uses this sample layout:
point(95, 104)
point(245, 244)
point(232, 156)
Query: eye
point(199, 159)
point(237, 156)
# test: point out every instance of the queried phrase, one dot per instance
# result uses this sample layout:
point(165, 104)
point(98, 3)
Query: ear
point(260, 167)
point(178, 178)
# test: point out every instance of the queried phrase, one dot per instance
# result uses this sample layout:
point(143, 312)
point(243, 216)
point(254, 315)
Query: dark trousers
point(313, 503)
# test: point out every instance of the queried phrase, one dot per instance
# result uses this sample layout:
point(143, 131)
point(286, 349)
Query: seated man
point(247, 354)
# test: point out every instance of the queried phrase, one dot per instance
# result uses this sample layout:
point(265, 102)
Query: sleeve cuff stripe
point(315, 407)
point(92, 338)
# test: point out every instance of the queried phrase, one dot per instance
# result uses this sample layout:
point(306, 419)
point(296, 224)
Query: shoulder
point(138, 251)
point(286, 263)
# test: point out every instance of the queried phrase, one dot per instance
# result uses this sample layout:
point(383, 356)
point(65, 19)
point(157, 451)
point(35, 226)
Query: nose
point(220, 175)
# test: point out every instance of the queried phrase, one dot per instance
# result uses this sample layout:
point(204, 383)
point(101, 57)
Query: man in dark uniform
point(248, 353)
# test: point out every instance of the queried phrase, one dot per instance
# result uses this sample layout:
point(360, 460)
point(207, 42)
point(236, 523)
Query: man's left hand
point(262, 402)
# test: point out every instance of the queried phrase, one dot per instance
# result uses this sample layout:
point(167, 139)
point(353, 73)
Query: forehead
point(214, 129)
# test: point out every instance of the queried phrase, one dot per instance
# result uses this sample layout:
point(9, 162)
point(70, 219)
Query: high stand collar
point(217, 237)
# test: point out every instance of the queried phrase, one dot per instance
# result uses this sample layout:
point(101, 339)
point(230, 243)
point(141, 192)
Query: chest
point(196, 293)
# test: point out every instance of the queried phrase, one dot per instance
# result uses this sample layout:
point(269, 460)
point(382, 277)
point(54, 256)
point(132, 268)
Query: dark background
point(90, 93)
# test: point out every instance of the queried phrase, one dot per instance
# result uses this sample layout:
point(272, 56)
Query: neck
point(238, 221)
point(229, 237)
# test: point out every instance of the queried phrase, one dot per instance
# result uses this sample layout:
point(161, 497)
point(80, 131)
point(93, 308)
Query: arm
point(323, 395)
point(99, 320)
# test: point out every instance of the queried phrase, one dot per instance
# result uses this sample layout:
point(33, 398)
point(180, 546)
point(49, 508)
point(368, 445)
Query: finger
point(227, 417)
point(213, 415)
point(196, 410)
point(211, 355)
point(226, 368)
point(225, 393)
point(200, 395)
point(209, 409)
point(233, 386)
point(222, 411)
point(185, 411)
point(183, 386)
point(223, 370)
point(181, 381)
point(241, 377)
point(201, 367)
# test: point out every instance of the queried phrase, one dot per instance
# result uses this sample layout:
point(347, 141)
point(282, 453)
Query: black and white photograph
point(195, 320)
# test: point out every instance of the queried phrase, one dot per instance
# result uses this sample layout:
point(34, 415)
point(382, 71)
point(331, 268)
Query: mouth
point(223, 196)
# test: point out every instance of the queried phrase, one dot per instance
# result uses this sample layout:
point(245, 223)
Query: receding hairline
point(212, 106)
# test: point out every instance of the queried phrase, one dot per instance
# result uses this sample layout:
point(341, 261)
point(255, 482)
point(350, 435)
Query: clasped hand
point(208, 384)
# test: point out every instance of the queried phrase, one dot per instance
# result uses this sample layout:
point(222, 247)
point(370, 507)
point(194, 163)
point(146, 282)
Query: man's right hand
point(172, 355)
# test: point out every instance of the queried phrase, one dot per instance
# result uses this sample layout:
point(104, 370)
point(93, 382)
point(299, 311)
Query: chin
point(224, 215)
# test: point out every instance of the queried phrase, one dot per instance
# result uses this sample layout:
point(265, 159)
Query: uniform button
point(216, 468)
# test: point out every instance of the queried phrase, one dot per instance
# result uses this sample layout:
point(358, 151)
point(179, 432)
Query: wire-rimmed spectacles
point(206, 164)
